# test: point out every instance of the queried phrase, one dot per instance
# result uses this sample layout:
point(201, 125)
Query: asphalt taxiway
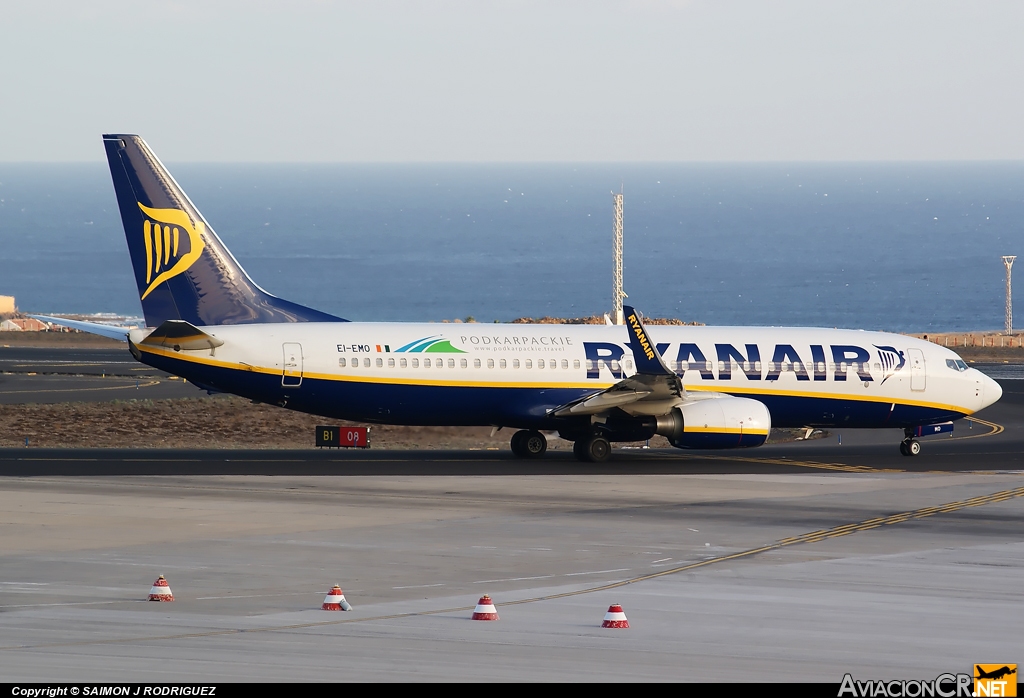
point(800, 561)
point(61, 374)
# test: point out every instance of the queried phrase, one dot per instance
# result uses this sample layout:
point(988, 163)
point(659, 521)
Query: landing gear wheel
point(529, 444)
point(533, 444)
point(592, 449)
point(517, 443)
point(909, 447)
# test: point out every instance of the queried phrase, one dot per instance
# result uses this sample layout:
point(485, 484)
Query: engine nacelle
point(721, 422)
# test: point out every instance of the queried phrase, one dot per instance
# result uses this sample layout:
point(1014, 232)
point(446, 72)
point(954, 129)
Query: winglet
point(645, 354)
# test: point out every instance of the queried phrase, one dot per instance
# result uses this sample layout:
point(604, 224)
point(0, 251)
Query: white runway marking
point(577, 574)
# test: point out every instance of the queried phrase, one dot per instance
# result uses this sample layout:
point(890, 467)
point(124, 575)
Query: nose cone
point(990, 391)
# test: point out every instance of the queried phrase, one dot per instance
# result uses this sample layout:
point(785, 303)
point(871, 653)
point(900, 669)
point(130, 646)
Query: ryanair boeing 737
point(701, 387)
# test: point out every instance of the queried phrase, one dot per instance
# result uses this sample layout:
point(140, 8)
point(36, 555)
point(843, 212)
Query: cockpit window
point(956, 365)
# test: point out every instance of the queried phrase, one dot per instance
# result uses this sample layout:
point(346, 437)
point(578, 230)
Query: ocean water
point(906, 247)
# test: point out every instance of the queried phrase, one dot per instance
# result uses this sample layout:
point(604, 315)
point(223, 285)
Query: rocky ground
point(227, 422)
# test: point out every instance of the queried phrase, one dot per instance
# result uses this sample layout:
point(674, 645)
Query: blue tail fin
point(183, 270)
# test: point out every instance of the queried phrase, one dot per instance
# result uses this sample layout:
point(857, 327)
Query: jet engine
point(716, 422)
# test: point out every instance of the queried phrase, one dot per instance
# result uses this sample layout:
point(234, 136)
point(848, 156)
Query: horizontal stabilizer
point(119, 333)
point(180, 335)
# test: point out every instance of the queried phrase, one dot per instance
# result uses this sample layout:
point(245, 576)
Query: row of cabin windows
point(462, 363)
point(592, 365)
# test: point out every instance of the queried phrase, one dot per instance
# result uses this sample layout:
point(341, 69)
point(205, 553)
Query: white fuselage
point(516, 374)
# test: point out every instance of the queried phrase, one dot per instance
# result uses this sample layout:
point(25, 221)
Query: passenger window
point(391, 363)
point(575, 363)
point(415, 363)
point(820, 367)
point(501, 364)
point(440, 362)
point(366, 362)
point(565, 363)
point(463, 363)
point(629, 364)
point(341, 362)
point(451, 363)
point(476, 363)
point(515, 363)
point(403, 363)
point(426, 363)
point(529, 363)
point(540, 363)
point(490, 363)
point(615, 365)
point(380, 363)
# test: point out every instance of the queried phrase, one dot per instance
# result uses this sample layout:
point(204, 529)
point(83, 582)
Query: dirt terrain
point(228, 422)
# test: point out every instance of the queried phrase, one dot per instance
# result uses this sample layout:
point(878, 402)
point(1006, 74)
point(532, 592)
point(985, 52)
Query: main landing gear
point(910, 447)
point(529, 444)
point(592, 448)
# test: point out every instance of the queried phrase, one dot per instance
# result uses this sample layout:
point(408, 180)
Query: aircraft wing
point(653, 389)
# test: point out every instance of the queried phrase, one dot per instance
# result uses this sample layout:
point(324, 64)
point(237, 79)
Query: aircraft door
point(918, 376)
point(291, 375)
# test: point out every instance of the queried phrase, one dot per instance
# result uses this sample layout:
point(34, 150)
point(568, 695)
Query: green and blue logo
point(430, 345)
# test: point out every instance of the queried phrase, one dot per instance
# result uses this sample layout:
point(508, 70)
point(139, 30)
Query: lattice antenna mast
point(1008, 263)
point(617, 292)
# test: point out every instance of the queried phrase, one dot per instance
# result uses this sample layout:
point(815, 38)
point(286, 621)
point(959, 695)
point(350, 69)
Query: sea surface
point(905, 247)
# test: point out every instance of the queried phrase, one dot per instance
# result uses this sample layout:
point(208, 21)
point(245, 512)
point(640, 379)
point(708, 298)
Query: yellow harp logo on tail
point(166, 253)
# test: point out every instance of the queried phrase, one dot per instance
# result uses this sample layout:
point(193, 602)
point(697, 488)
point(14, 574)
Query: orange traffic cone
point(160, 591)
point(335, 600)
point(485, 609)
point(615, 618)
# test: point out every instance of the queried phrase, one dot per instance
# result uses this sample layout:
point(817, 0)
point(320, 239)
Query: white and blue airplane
point(700, 387)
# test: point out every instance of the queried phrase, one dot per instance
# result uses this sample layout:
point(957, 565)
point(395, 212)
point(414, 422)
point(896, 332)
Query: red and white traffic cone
point(615, 618)
point(160, 591)
point(335, 600)
point(485, 609)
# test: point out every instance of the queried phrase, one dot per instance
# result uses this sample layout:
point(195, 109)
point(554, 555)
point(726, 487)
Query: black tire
point(533, 444)
point(903, 448)
point(592, 449)
point(914, 448)
point(517, 443)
